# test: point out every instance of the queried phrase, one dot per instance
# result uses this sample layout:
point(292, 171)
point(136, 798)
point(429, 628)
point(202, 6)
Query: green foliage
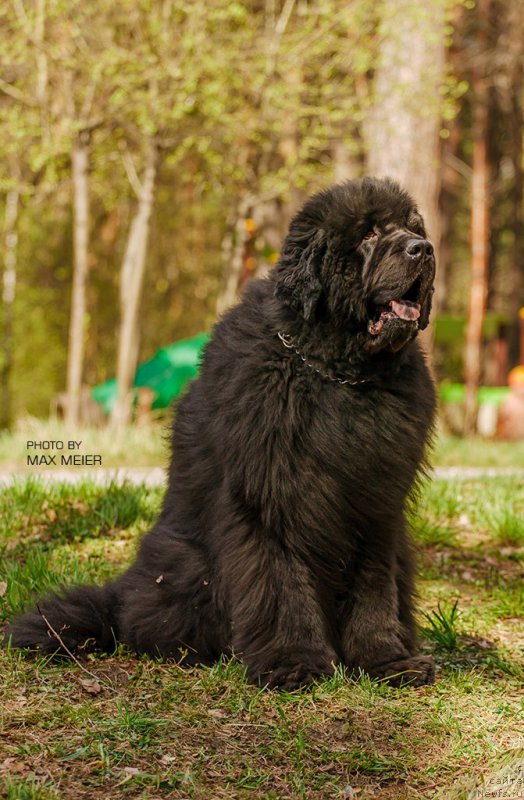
point(241, 100)
point(442, 626)
point(250, 105)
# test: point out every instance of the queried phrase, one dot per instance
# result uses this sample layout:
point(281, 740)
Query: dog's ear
point(297, 283)
point(425, 311)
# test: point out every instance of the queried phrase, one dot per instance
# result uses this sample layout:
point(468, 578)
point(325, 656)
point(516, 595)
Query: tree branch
point(132, 174)
point(283, 19)
point(15, 93)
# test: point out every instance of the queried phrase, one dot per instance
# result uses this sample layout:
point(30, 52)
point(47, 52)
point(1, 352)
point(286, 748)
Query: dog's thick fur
point(282, 536)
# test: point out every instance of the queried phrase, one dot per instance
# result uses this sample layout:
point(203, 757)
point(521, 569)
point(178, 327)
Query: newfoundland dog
point(282, 538)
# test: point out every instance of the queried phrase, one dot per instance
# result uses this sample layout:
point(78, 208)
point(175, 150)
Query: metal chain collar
point(288, 342)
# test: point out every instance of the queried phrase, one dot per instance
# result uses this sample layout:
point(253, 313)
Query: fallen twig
point(72, 655)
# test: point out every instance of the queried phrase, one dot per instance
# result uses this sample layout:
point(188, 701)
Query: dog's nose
point(419, 248)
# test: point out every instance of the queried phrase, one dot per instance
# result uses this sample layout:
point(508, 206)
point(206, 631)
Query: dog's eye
point(372, 234)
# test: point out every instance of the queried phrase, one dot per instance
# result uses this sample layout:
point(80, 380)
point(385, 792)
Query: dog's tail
point(83, 617)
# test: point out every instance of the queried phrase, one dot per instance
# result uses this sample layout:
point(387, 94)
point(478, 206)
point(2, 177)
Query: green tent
point(167, 373)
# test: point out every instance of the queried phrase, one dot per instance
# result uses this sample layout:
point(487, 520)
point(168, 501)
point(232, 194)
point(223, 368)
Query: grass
point(154, 730)
point(452, 451)
point(441, 626)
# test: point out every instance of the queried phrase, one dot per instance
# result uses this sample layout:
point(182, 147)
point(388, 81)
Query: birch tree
point(131, 282)
point(77, 66)
point(168, 96)
point(75, 352)
point(10, 241)
point(20, 104)
point(67, 62)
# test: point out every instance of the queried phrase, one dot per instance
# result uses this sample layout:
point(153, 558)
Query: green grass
point(51, 534)
point(504, 516)
point(155, 730)
point(434, 518)
point(452, 451)
point(441, 626)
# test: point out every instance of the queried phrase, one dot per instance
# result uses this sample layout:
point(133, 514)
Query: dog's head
point(357, 254)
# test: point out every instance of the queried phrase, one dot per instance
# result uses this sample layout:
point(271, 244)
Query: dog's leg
point(405, 591)
point(376, 636)
point(167, 601)
point(278, 628)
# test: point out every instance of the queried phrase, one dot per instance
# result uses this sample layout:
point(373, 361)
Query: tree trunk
point(75, 356)
point(516, 120)
point(41, 88)
point(233, 252)
point(403, 133)
point(479, 237)
point(453, 171)
point(8, 296)
point(344, 168)
point(131, 280)
point(403, 129)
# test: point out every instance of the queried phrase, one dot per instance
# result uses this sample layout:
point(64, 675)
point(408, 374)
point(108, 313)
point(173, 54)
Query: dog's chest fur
point(348, 442)
point(315, 458)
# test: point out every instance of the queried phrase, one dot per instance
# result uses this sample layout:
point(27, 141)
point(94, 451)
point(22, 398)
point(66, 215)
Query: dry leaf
point(90, 685)
point(11, 765)
point(20, 700)
point(79, 505)
point(3, 588)
point(130, 771)
point(217, 712)
point(165, 759)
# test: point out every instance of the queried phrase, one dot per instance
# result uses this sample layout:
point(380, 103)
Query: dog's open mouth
point(407, 309)
point(399, 309)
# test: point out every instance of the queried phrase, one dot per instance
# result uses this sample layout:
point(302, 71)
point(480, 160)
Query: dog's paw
point(290, 674)
point(415, 671)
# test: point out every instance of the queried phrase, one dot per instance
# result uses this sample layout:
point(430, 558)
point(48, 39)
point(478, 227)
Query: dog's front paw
point(415, 671)
point(294, 672)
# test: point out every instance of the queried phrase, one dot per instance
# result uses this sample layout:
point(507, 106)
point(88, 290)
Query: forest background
point(155, 150)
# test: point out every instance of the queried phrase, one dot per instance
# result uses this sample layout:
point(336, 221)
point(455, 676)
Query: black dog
point(282, 536)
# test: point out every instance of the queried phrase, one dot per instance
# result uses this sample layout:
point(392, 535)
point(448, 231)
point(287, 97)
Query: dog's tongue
point(405, 309)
